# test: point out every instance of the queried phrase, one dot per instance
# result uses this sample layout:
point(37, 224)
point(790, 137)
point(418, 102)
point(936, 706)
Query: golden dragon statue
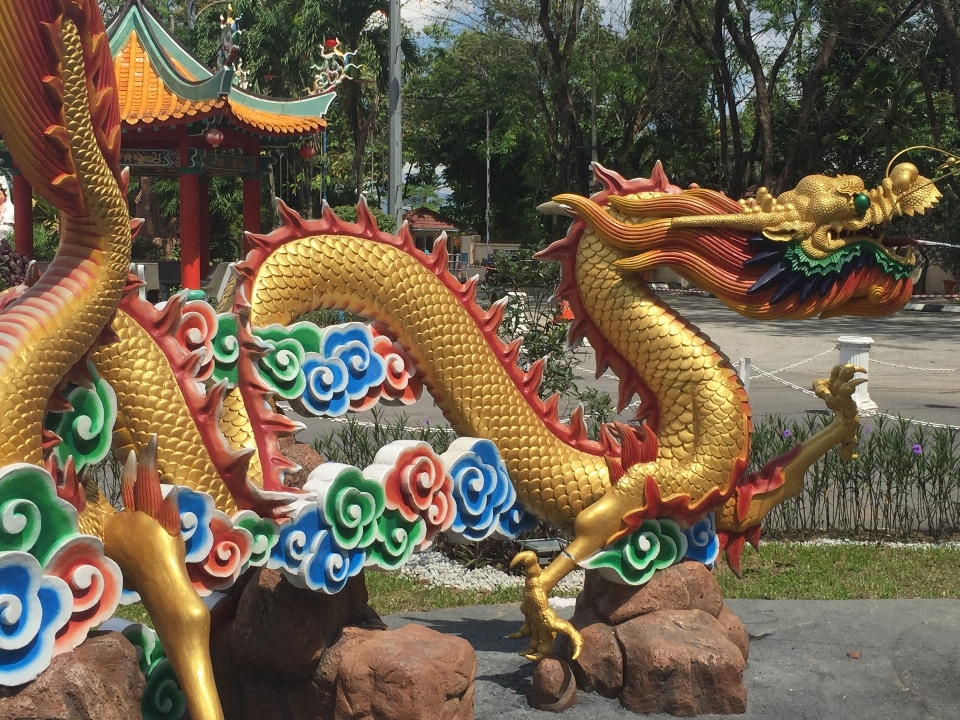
point(189, 395)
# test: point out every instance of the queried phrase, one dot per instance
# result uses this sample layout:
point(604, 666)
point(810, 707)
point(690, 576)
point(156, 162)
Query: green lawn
point(781, 571)
point(784, 571)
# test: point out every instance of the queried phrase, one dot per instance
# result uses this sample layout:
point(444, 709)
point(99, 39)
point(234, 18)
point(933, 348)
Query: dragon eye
point(861, 203)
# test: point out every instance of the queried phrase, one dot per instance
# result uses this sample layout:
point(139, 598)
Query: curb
point(931, 307)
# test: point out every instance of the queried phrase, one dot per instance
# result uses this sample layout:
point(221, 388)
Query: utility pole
point(394, 139)
point(594, 183)
point(489, 259)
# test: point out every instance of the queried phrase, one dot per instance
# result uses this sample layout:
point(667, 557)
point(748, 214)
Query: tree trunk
point(947, 27)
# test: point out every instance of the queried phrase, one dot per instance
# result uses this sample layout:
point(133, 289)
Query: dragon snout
point(904, 176)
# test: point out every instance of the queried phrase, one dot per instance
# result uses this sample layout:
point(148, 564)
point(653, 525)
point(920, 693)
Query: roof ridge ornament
point(229, 31)
point(336, 67)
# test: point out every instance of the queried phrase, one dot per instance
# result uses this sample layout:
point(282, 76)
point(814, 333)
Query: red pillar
point(251, 209)
point(190, 231)
point(22, 215)
point(204, 228)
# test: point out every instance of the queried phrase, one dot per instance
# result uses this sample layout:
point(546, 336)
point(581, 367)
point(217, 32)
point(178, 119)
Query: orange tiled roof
point(142, 94)
point(274, 122)
point(425, 219)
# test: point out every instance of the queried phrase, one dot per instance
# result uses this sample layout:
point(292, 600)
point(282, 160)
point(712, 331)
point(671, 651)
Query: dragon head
point(818, 249)
point(826, 214)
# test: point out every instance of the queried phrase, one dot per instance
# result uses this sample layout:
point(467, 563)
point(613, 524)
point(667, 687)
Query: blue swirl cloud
point(703, 545)
point(352, 344)
point(515, 520)
point(308, 555)
point(329, 566)
point(482, 489)
point(32, 609)
point(297, 541)
point(345, 369)
point(326, 387)
point(196, 512)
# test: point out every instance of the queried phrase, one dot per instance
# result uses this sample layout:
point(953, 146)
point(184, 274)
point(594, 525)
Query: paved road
point(930, 341)
point(798, 670)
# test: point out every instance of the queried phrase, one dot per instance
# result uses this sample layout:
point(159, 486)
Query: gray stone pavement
point(929, 342)
point(799, 669)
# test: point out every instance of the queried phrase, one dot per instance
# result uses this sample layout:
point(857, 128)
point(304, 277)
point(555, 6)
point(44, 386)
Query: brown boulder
point(599, 667)
point(685, 586)
point(280, 631)
point(680, 662)
point(735, 630)
point(318, 698)
point(554, 688)
point(407, 674)
point(704, 590)
point(304, 455)
point(100, 679)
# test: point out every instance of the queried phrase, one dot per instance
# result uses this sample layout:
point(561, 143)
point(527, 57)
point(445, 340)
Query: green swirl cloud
point(87, 429)
point(226, 349)
point(396, 540)
point(265, 535)
point(282, 367)
point(32, 518)
point(351, 506)
point(162, 699)
point(655, 545)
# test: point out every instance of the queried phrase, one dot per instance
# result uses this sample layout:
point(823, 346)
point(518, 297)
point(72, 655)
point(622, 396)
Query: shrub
point(905, 480)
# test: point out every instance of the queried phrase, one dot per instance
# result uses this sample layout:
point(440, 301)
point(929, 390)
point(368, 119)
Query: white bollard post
point(856, 351)
point(138, 270)
point(743, 370)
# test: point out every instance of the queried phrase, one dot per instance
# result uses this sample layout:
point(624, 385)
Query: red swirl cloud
point(419, 486)
point(402, 386)
point(95, 582)
point(232, 548)
point(196, 330)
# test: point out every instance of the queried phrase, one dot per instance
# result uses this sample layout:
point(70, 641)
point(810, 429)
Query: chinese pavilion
point(182, 119)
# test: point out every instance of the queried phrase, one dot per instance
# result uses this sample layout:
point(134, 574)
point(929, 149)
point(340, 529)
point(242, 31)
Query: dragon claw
point(837, 393)
point(542, 623)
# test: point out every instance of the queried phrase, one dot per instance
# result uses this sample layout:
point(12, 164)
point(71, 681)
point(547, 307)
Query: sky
point(423, 12)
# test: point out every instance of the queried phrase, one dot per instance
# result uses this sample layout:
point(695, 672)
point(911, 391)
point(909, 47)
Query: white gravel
point(437, 569)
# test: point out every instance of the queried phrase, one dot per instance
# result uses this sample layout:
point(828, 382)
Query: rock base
point(100, 679)
point(554, 687)
point(292, 654)
point(671, 646)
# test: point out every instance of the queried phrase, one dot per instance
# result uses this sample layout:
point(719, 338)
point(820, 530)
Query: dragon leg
point(782, 478)
point(147, 546)
point(593, 528)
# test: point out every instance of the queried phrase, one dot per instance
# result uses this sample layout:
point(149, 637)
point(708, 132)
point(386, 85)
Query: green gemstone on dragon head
point(861, 203)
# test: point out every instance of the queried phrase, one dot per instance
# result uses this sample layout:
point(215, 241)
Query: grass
point(781, 571)
point(393, 593)
point(791, 571)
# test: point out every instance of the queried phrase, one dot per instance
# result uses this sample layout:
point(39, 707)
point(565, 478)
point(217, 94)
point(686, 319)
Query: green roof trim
point(161, 46)
point(131, 21)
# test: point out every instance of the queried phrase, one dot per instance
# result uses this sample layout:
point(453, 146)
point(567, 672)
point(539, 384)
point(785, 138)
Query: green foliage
point(349, 214)
point(792, 571)
point(325, 318)
point(905, 480)
point(532, 315)
point(598, 410)
point(356, 443)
